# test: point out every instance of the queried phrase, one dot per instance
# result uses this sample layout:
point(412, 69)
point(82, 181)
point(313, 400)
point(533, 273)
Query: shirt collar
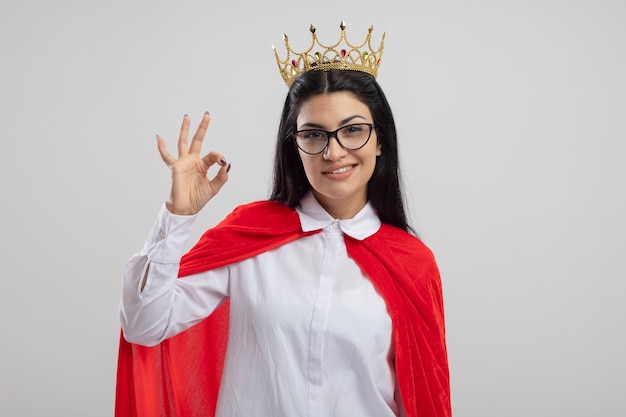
point(313, 217)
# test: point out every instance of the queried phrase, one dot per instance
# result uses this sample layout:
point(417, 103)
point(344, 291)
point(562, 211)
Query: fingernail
point(186, 115)
point(228, 169)
point(222, 162)
point(157, 136)
point(206, 112)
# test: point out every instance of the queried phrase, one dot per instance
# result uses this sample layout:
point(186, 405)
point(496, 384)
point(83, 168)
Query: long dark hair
point(384, 190)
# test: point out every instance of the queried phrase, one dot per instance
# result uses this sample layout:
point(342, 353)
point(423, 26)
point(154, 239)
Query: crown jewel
point(341, 55)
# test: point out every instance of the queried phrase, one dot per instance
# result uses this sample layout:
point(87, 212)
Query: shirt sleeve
point(166, 305)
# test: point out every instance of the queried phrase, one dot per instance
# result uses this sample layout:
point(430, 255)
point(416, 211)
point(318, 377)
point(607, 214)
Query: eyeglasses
point(351, 137)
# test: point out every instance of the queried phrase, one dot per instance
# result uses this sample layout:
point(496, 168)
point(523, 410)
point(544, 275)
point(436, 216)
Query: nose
point(334, 151)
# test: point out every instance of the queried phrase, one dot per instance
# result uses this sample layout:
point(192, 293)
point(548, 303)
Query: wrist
point(177, 211)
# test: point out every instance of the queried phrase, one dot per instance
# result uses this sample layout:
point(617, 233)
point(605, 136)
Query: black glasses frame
point(332, 134)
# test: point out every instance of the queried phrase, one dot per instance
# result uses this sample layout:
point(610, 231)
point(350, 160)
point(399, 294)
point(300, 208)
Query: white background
point(512, 122)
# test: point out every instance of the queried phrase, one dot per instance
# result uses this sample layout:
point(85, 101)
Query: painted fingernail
point(206, 112)
point(228, 169)
point(222, 162)
point(186, 115)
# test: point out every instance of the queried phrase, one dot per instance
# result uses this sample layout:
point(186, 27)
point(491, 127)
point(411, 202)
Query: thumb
point(221, 177)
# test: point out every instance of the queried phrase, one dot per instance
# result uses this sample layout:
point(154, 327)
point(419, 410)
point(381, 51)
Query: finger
point(214, 158)
point(165, 155)
point(220, 178)
point(198, 137)
point(183, 149)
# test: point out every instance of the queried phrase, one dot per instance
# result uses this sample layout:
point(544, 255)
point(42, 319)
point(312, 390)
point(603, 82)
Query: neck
point(342, 210)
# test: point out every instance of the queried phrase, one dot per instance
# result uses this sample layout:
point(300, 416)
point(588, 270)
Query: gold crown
point(342, 56)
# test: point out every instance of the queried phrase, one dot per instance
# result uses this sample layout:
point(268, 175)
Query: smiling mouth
point(340, 170)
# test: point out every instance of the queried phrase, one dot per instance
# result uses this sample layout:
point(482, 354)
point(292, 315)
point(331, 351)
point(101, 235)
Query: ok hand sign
point(191, 189)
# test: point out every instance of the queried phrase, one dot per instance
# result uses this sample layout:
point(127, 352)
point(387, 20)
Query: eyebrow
point(341, 123)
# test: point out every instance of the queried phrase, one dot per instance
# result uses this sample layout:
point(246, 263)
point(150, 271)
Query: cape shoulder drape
point(181, 376)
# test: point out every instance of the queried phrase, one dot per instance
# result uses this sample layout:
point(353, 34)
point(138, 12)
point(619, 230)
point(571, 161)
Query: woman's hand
point(191, 189)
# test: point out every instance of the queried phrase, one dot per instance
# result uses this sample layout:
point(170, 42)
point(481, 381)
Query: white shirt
point(309, 334)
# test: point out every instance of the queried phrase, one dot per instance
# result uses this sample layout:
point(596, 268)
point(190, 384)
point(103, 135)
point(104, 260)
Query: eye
point(312, 134)
point(353, 129)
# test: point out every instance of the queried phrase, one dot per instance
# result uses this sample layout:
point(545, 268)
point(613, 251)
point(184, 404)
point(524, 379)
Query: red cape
point(181, 376)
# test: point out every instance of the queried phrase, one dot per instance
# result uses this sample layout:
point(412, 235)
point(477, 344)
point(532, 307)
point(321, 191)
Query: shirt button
point(162, 234)
point(336, 224)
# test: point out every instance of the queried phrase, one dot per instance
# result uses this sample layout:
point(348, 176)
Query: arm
point(155, 304)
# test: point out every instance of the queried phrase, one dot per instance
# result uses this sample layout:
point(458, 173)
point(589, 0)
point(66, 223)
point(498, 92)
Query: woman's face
point(337, 175)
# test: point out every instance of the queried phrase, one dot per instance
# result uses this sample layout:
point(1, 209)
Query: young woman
point(316, 302)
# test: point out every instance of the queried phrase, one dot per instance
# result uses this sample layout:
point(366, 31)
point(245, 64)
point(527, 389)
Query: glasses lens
point(354, 136)
point(312, 141)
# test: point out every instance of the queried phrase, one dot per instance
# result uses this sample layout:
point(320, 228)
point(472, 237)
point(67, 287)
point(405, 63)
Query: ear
point(379, 149)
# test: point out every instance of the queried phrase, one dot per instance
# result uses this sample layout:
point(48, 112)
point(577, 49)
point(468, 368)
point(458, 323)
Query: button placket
point(332, 238)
